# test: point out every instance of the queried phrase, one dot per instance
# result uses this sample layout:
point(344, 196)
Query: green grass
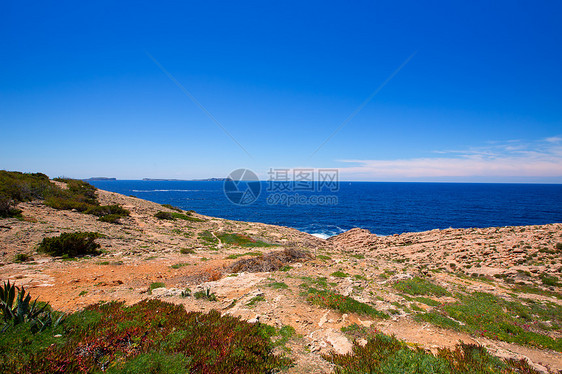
point(179, 265)
point(278, 285)
point(235, 256)
point(427, 301)
point(207, 237)
point(524, 288)
point(156, 285)
point(254, 300)
point(323, 257)
point(321, 282)
point(420, 286)
point(490, 316)
point(384, 354)
point(339, 274)
point(340, 303)
point(241, 240)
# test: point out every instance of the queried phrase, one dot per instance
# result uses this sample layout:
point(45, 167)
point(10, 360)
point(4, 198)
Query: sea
point(383, 208)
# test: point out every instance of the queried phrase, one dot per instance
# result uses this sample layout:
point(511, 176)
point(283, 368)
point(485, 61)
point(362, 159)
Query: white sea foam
point(321, 235)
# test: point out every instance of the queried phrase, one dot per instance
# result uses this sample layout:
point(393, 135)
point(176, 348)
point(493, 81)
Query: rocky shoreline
point(509, 262)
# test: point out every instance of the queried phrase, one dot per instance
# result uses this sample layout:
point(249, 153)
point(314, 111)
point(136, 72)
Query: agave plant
point(16, 310)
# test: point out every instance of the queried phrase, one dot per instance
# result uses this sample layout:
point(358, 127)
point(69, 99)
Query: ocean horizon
point(383, 208)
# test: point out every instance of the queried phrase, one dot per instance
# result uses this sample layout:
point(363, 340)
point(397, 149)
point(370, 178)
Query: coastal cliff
point(421, 287)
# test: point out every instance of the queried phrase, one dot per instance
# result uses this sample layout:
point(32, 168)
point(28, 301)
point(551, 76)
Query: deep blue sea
point(382, 208)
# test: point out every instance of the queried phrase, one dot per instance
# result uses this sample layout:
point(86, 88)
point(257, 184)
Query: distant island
point(100, 179)
point(185, 180)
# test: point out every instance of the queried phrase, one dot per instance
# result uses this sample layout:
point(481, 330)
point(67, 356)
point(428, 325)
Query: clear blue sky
point(480, 100)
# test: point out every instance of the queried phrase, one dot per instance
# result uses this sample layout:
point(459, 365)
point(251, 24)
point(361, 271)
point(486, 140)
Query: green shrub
point(186, 217)
point(205, 294)
point(7, 207)
point(186, 251)
point(550, 280)
point(164, 215)
point(110, 218)
point(22, 257)
point(172, 207)
point(71, 244)
point(105, 210)
point(420, 286)
point(21, 187)
point(174, 215)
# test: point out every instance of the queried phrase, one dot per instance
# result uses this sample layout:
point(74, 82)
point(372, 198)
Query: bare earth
point(143, 249)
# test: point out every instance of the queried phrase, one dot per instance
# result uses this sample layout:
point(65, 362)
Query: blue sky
point(475, 92)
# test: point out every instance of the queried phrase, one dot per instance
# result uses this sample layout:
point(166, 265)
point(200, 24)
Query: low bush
point(205, 294)
point(550, 280)
point(7, 207)
point(164, 215)
point(111, 218)
point(79, 195)
point(105, 210)
point(22, 257)
point(174, 215)
point(186, 217)
point(271, 261)
point(71, 244)
point(172, 207)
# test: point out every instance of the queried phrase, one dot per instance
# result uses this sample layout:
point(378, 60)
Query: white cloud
point(554, 139)
point(500, 160)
